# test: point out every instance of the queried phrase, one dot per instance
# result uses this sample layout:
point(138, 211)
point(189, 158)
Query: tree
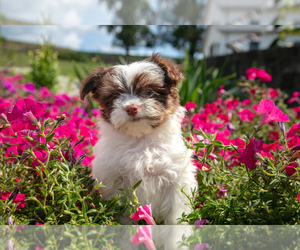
point(183, 37)
point(129, 36)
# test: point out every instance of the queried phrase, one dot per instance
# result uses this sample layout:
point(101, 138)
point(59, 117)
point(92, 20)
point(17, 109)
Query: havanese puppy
point(140, 135)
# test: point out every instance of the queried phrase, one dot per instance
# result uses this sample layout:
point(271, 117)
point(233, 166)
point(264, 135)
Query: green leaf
point(92, 211)
point(137, 184)
point(217, 143)
point(44, 191)
point(199, 144)
point(42, 146)
point(209, 149)
point(49, 137)
point(84, 207)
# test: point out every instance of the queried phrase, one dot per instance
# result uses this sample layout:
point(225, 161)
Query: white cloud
point(72, 17)
point(64, 36)
point(60, 12)
point(72, 40)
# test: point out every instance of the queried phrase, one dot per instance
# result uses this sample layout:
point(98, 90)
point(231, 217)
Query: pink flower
point(253, 73)
point(29, 87)
point(270, 112)
point(25, 112)
point(96, 112)
point(201, 222)
point(144, 235)
point(293, 130)
point(298, 197)
point(222, 192)
point(3, 108)
point(19, 199)
point(273, 92)
point(202, 246)
point(190, 105)
point(246, 115)
point(246, 102)
point(248, 155)
point(294, 98)
point(274, 135)
point(145, 213)
point(85, 131)
point(221, 91)
point(291, 168)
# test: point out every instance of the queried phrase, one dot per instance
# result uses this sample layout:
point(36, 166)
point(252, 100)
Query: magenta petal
point(144, 213)
point(144, 235)
point(265, 105)
point(271, 112)
point(23, 106)
point(248, 155)
point(298, 197)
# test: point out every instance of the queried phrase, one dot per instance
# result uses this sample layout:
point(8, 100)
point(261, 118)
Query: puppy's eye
point(148, 92)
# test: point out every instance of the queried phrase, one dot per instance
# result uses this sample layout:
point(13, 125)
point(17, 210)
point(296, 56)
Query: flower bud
point(10, 220)
point(282, 127)
point(61, 118)
point(4, 126)
point(3, 117)
point(10, 245)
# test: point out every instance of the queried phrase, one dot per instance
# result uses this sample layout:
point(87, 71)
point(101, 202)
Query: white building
point(240, 26)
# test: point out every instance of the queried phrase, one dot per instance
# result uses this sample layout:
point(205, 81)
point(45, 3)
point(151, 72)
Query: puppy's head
point(135, 98)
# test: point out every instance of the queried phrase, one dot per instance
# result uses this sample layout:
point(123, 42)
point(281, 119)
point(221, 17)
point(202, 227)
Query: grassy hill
point(14, 53)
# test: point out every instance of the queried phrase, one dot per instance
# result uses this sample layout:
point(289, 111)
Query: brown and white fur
point(140, 135)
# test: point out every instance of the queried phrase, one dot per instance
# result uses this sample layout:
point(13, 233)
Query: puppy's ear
point(93, 81)
point(172, 71)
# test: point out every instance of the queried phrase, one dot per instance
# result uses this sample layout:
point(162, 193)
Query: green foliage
point(43, 64)
point(267, 195)
point(57, 191)
point(73, 55)
point(200, 84)
point(183, 37)
point(129, 36)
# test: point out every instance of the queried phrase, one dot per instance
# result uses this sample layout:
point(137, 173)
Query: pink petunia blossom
point(19, 199)
point(291, 168)
point(298, 197)
point(201, 222)
point(273, 93)
point(190, 106)
point(246, 102)
point(253, 73)
point(96, 112)
point(246, 115)
point(248, 155)
point(29, 87)
point(25, 112)
point(145, 213)
point(202, 246)
point(3, 111)
point(270, 112)
point(221, 91)
point(144, 235)
point(294, 98)
point(222, 192)
point(294, 141)
point(293, 130)
point(85, 131)
point(273, 135)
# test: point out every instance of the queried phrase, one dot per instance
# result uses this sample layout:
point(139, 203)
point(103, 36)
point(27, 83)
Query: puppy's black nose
point(131, 110)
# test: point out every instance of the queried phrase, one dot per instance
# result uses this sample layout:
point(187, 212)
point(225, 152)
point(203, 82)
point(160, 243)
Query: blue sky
point(74, 25)
point(87, 38)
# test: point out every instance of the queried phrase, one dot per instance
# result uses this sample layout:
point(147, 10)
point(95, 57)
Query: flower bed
point(246, 152)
